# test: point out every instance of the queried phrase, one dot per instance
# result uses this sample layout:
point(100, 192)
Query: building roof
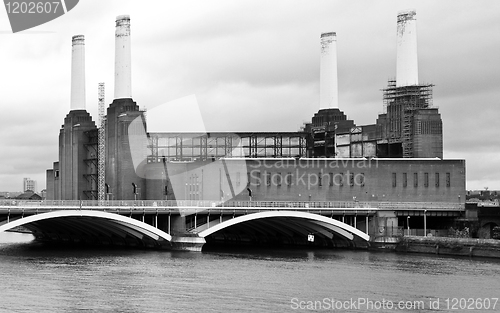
point(29, 195)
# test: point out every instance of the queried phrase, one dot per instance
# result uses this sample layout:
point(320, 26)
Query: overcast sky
point(253, 66)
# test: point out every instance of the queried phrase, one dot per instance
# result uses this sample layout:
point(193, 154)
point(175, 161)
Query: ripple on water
point(42, 278)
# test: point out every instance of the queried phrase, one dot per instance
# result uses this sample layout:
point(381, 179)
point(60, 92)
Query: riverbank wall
point(450, 246)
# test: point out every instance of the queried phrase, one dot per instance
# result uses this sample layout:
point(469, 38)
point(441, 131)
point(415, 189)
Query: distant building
point(29, 184)
point(8, 194)
point(29, 195)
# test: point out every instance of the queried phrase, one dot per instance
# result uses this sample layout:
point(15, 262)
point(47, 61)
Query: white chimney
point(407, 63)
point(328, 90)
point(123, 83)
point(78, 73)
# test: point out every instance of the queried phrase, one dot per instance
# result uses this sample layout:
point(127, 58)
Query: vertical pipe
point(168, 232)
point(366, 221)
point(123, 76)
point(425, 223)
point(78, 73)
point(355, 218)
point(328, 80)
point(406, 58)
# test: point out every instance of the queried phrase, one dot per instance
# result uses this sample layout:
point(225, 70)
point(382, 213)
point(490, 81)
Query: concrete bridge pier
point(183, 240)
point(386, 234)
point(187, 242)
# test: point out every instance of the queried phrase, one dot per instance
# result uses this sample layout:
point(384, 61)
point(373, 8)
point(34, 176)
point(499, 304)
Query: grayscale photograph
point(249, 156)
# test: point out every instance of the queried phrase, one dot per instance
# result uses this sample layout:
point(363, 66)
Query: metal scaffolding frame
point(201, 146)
point(400, 105)
point(101, 164)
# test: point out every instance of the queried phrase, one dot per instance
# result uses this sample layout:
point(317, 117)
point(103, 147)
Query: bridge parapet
point(157, 204)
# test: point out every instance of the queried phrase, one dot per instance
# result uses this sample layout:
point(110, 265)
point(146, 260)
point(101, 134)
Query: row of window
point(257, 178)
point(404, 179)
point(428, 128)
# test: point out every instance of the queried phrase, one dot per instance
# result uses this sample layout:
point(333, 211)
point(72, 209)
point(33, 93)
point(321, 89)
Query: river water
point(40, 278)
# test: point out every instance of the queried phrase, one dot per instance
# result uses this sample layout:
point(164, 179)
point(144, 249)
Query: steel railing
point(234, 204)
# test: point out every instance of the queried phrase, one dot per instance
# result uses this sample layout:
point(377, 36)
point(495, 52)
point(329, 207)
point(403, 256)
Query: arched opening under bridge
point(91, 227)
point(283, 229)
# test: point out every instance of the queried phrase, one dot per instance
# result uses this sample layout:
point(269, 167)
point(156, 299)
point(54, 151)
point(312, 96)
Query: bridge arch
point(302, 222)
point(91, 226)
point(486, 230)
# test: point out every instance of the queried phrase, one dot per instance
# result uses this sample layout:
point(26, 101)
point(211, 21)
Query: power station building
point(397, 159)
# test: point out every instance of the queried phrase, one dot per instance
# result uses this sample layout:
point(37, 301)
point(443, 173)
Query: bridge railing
point(234, 204)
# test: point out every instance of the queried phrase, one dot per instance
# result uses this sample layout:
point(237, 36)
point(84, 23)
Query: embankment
point(450, 246)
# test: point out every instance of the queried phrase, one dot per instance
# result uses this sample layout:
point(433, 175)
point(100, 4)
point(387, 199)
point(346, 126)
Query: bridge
point(189, 224)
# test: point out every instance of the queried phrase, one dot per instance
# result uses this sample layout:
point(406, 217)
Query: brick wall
point(328, 180)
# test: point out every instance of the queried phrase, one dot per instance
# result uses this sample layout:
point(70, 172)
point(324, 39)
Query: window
point(351, 179)
point(362, 179)
point(258, 178)
point(289, 179)
point(415, 179)
point(394, 182)
point(426, 179)
point(405, 180)
point(437, 179)
point(341, 179)
point(268, 179)
point(448, 179)
point(331, 179)
point(278, 179)
point(320, 179)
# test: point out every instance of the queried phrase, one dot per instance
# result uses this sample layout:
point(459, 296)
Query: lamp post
point(135, 191)
point(106, 185)
point(425, 223)
point(408, 224)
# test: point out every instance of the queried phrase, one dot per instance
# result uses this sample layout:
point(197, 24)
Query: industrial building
point(398, 158)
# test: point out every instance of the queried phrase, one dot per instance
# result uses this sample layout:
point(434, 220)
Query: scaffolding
point(200, 146)
point(400, 105)
point(420, 95)
point(407, 142)
point(101, 168)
